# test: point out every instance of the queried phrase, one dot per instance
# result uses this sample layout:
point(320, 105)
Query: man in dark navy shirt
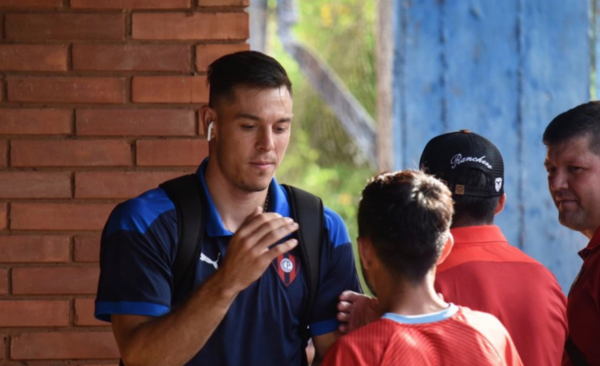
point(250, 295)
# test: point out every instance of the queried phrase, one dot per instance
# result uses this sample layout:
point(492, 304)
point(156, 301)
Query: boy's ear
point(365, 251)
point(447, 249)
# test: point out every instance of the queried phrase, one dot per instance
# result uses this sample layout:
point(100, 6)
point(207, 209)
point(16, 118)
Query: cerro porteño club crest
point(287, 267)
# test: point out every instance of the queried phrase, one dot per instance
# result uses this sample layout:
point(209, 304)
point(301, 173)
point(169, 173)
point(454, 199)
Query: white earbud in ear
point(209, 132)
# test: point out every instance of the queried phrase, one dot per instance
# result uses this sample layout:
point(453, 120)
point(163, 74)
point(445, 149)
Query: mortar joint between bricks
point(128, 24)
point(74, 122)
point(133, 145)
point(70, 57)
point(4, 88)
point(8, 215)
point(6, 350)
point(73, 186)
point(72, 314)
point(129, 90)
point(9, 285)
point(193, 58)
point(8, 153)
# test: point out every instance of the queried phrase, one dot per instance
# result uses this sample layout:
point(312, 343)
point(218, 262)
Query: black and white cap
point(445, 156)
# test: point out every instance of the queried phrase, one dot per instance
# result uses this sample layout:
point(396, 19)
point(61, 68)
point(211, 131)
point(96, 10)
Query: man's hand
point(251, 249)
point(356, 310)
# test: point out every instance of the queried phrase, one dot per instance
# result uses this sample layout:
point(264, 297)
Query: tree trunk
point(355, 120)
point(259, 14)
point(385, 54)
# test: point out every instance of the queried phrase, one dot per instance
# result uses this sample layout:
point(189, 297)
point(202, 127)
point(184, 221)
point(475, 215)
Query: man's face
point(253, 132)
point(574, 183)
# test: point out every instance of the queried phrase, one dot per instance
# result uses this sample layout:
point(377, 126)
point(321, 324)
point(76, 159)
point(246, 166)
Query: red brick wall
point(99, 101)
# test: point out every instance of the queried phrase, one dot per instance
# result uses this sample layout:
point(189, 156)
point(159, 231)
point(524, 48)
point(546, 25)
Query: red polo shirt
point(583, 309)
point(485, 273)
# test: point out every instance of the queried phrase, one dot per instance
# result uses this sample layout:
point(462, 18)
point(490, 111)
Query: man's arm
point(338, 273)
point(322, 344)
point(173, 339)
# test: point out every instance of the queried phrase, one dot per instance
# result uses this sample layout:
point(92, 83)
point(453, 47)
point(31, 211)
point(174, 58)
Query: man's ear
point(500, 205)
point(366, 252)
point(208, 115)
point(447, 249)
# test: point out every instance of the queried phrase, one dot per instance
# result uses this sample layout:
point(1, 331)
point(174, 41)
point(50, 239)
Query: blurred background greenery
point(321, 158)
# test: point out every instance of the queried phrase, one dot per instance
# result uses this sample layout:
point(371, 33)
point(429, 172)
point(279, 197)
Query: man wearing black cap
point(483, 271)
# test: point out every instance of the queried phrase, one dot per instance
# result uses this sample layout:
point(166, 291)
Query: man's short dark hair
point(469, 210)
point(247, 68)
point(406, 215)
point(583, 120)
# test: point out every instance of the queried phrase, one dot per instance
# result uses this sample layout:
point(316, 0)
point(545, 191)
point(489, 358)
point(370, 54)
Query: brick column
point(99, 101)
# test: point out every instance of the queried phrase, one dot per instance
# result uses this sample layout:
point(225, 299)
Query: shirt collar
point(214, 225)
point(447, 313)
point(592, 245)
point(477, 234)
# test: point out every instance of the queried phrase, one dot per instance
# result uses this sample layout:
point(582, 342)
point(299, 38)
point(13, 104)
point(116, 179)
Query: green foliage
point(321, 158)
point(343, 33)
point(339, 184)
